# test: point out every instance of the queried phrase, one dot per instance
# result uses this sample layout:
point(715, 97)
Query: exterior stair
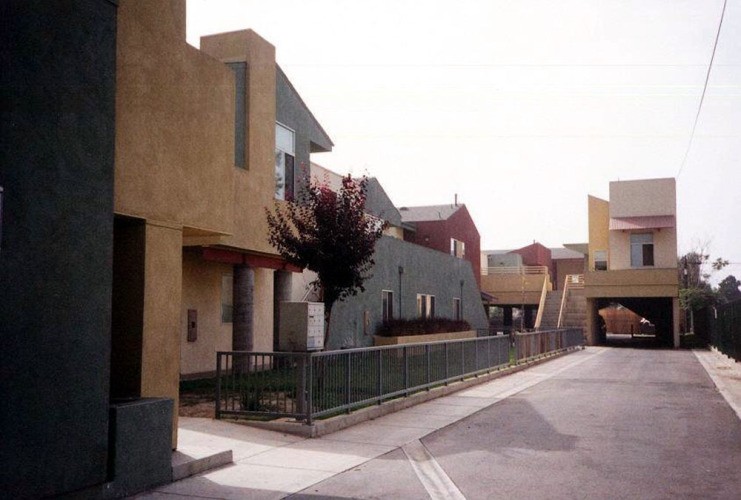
point(575, 310)
point(551, 309)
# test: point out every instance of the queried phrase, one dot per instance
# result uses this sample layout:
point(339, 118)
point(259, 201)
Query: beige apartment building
point(633, 256)
point(205, 141)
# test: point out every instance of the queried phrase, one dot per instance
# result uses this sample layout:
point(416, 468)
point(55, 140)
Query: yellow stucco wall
point(263, 316)
point(174, 155)
point(632, 283)
point(254, 186)
point(202, 292)
point(599, 228)
point(160, 335)
point(508, 288)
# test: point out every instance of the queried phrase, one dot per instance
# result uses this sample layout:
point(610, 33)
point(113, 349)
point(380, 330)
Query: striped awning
point(646, 222)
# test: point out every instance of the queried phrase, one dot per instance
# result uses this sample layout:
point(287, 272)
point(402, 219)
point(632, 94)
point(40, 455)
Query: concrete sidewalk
point(267, 464)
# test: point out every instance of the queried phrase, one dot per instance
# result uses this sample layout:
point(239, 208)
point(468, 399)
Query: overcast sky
point(521, 107)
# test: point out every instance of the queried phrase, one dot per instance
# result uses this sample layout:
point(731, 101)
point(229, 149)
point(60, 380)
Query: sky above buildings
point(521, 108)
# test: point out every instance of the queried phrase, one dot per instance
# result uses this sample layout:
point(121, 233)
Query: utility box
point(301, 326)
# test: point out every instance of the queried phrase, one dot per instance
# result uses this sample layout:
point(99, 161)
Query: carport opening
point(636, 322)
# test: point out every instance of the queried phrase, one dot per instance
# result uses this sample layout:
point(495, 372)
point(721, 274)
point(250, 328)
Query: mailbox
point(301, 326)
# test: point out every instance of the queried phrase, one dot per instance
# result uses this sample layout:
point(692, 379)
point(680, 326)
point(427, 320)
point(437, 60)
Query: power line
point(704, 89)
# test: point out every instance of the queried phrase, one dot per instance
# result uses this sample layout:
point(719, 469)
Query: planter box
point(416, 339)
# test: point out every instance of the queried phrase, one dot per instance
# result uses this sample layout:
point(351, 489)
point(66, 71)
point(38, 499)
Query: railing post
point(447, 371)
point(301, 389)
point(380, 376)
point(476, 356)
point(218, 386)
point(406, 371)
point(310, 392)
point(348, 381)
point(463, 359)
point(427, 370)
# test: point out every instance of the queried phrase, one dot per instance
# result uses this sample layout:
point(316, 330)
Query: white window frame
point(457, 309)
point(639, 246)
point(387, 305)
point(425, 306)
point(281, 150)
point(457, 248)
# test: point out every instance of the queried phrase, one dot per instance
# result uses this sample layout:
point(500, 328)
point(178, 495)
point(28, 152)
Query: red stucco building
point(446, 228)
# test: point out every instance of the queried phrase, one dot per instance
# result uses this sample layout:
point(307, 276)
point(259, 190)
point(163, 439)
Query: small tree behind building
point(329, 233)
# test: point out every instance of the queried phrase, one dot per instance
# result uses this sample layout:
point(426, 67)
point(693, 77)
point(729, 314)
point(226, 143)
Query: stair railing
point(541, 304)
point(572, 282)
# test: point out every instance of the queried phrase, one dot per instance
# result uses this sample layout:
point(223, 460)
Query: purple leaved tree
point(329, 233)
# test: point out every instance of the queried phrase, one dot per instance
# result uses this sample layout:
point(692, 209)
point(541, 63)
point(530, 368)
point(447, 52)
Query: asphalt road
point(624, 424)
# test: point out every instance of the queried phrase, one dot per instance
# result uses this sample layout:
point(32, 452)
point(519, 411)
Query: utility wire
point(704, 89)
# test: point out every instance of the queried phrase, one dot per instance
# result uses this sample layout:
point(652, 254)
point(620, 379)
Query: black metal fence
point(310, 385)
point(725, 329)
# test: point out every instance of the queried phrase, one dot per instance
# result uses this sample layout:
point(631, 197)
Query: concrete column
point(507, 316)
point(675, 321)
point(592, 322)
point(243, 307)
point(283, 283)
point(529, 320)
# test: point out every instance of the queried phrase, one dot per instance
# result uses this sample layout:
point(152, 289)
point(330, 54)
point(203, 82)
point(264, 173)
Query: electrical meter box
point(301, 326)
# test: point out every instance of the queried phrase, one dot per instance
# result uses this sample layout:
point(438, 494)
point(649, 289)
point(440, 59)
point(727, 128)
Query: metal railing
point(725, 329)
point(517, 270)
point(310, 385)
point(541, 304)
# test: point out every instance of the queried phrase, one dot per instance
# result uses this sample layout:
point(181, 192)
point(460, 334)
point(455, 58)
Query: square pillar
point(163, 274)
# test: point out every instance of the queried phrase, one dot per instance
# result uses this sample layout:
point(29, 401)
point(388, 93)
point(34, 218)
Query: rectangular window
point(457, 312)
point(226, 298)
point(387, 297)
point(425, 305)
point(642, 250)
point(600, 260)
point(240, 113)
point(457, 248)
point(285, 143)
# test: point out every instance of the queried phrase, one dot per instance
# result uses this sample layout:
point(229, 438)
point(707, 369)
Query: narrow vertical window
point(387, 298)
point(425, 305)
point(600, 260)
point(240, 113)
point(226, 298)
point(457, 248)
point(642, 250)
point(285, 141)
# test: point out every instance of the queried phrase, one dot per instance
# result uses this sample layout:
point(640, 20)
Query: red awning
point(646, 222)
point(231, 257)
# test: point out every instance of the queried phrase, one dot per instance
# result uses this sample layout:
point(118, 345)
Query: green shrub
point(421, 326)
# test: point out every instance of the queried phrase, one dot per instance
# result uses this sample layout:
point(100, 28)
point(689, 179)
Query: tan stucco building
point(196, 165)
point(633, 256)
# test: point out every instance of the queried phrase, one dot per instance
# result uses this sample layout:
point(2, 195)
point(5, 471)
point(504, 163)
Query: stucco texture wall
point(665, 248)
point(425, 271)
point(174, 122)
point(437, 235)
point(643, 197)
point(599, 228)
point(160, 370)
point(202, 292)
point(56, 168)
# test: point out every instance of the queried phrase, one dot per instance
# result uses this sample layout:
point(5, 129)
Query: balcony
point(515, 285)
